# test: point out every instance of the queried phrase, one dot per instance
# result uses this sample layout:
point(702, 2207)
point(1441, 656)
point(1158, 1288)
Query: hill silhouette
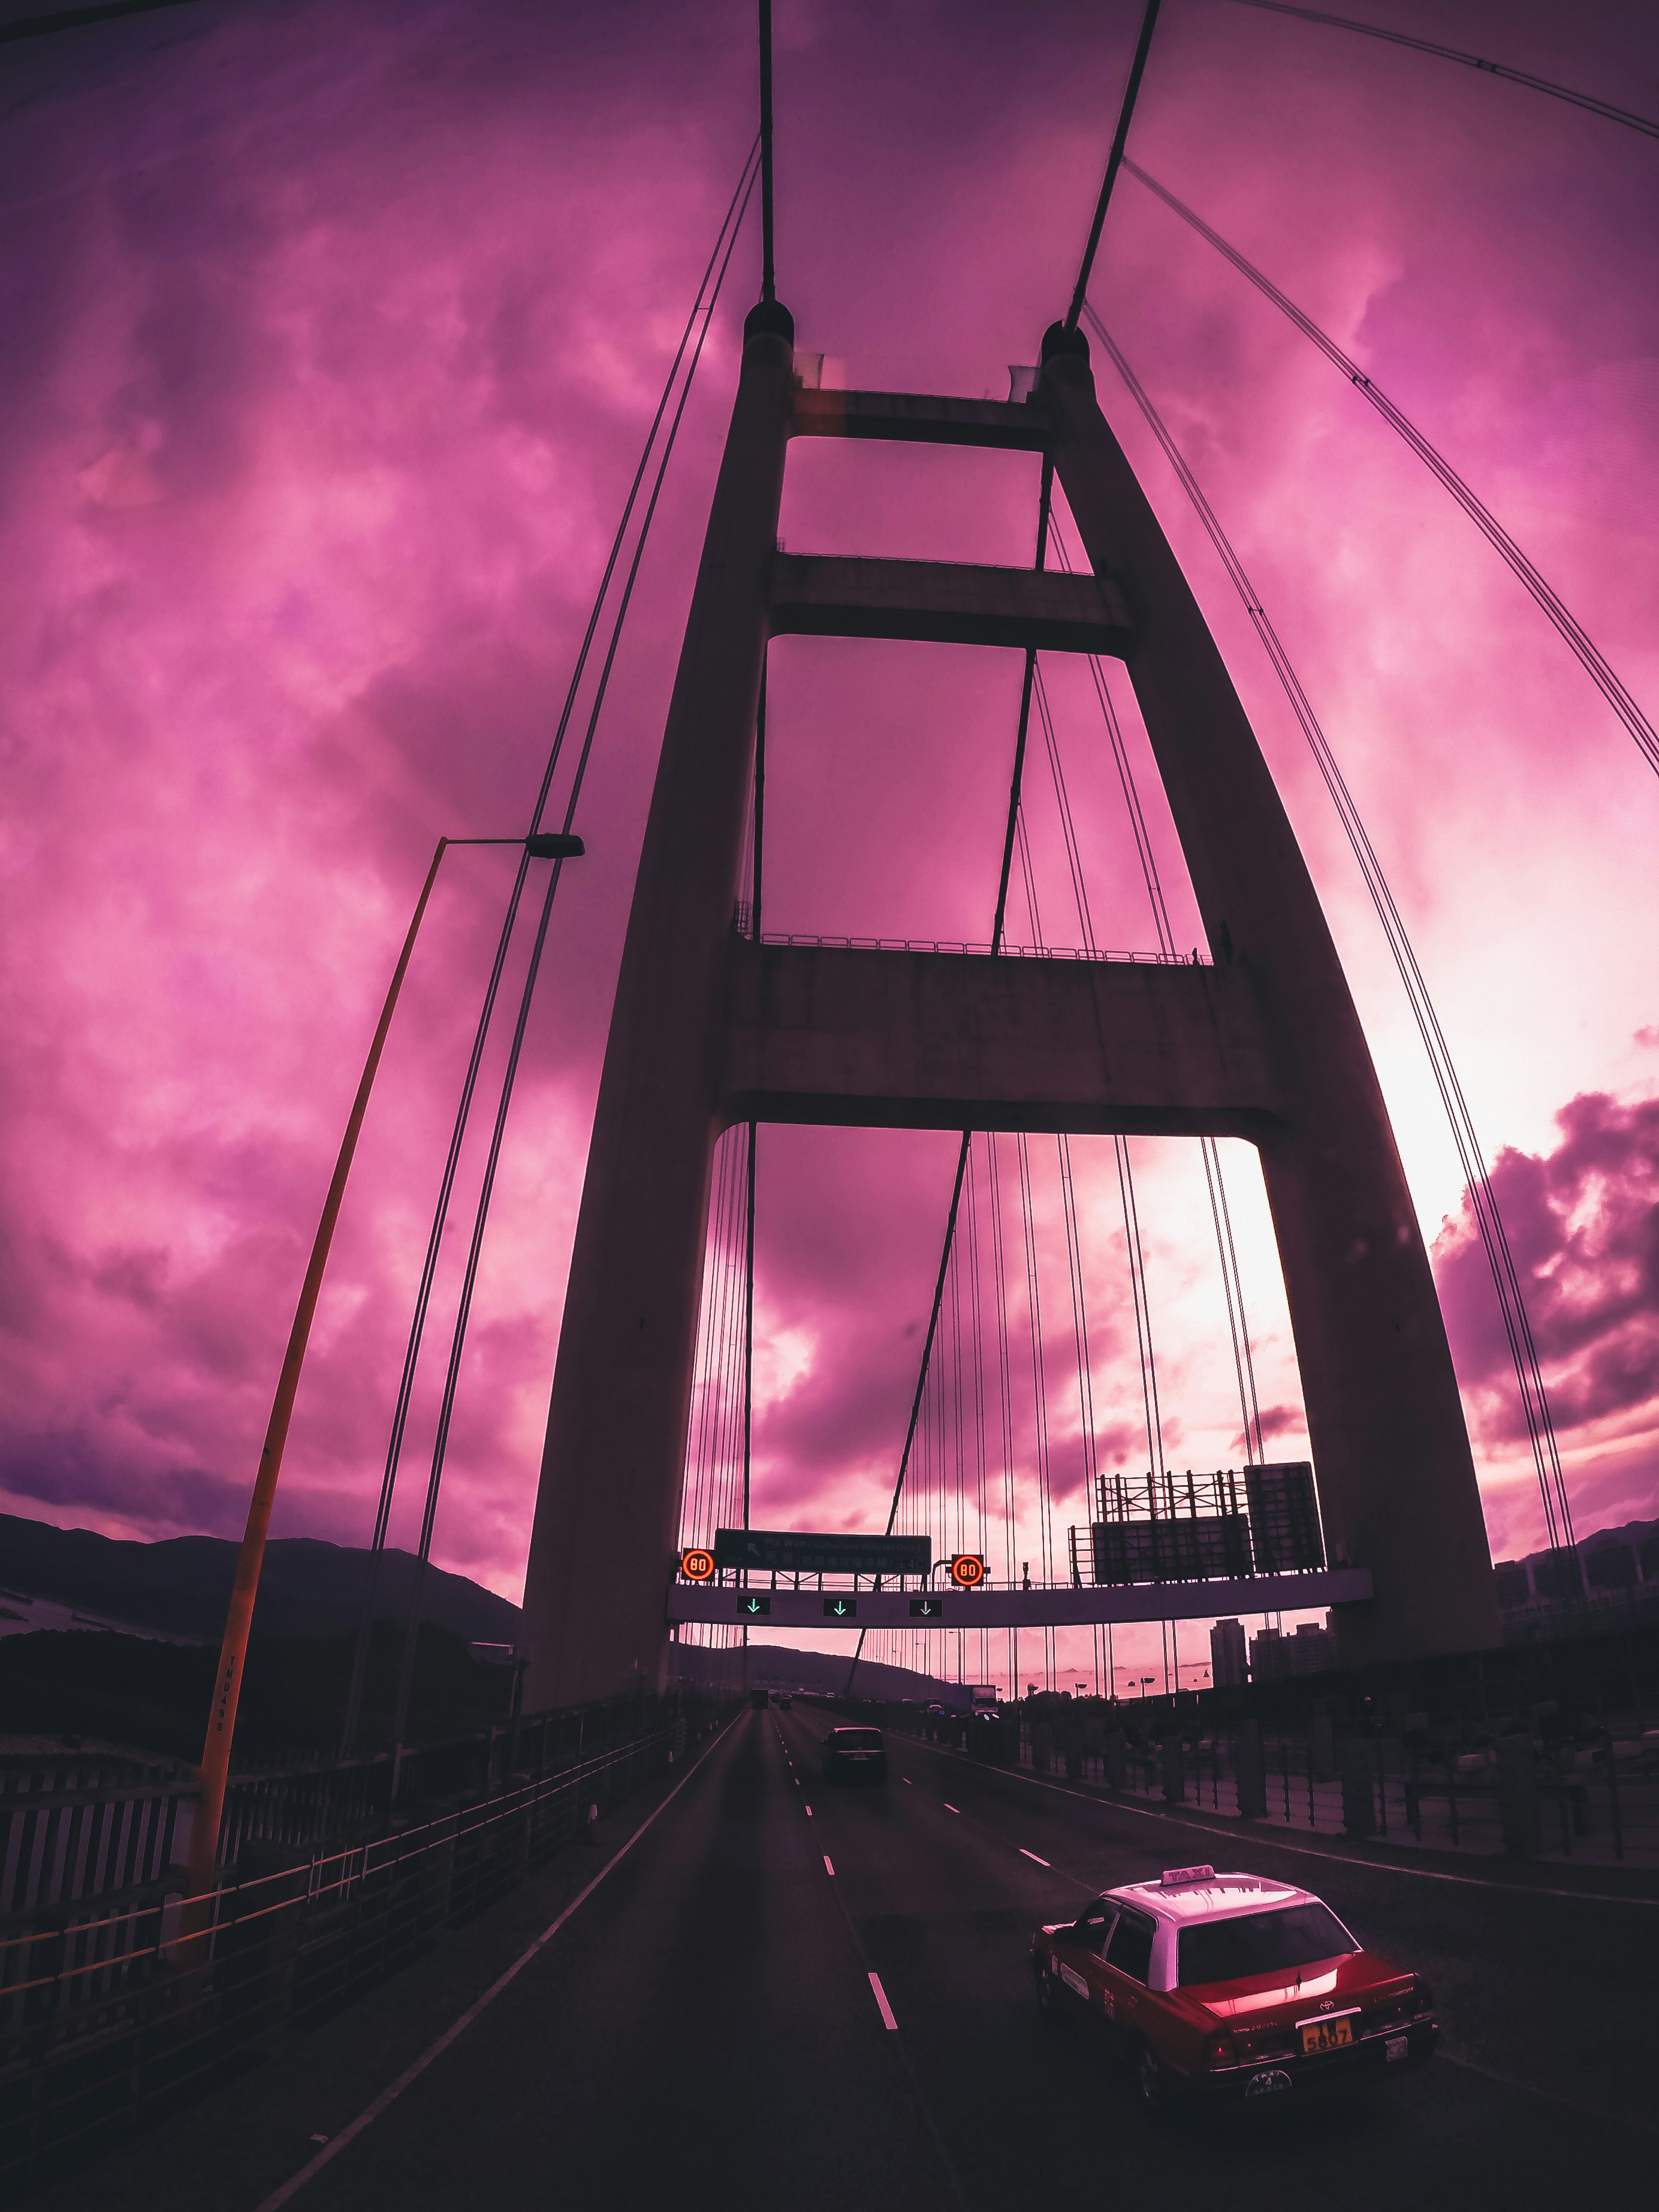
point(182, 1585)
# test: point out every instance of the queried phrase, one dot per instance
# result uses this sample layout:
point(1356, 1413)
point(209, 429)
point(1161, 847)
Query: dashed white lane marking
point(887, 2018)
point(828, 1868)
point(956, 1810)
point(906, 1780)
point(809, 1812)
point(1024, 1854)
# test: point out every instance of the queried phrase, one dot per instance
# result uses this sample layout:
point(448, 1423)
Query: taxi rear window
point(1259, 1943)
point(858, 1739)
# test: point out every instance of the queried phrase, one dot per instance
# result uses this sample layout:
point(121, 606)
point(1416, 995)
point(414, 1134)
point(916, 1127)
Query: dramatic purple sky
point(332, 332)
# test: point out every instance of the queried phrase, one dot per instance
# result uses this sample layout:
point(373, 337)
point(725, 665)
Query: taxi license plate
point(1326, 2034)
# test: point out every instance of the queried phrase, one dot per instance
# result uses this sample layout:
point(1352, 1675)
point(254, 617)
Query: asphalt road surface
point(712, 2025)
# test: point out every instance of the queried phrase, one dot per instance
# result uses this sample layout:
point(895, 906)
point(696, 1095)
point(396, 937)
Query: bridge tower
point(709, 1028)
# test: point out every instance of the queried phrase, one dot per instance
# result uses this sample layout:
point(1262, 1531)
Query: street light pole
point(239, 1620)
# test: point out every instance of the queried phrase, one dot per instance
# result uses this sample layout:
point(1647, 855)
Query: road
point(704, 2025)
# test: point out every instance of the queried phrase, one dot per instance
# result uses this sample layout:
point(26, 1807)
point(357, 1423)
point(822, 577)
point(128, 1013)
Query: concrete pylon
point(1396, 1480)
point(607, 1509)
point(1262, 1042)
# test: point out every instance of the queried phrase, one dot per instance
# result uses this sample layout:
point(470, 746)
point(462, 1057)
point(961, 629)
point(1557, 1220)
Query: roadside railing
point(1597, 1803)
point(742, 923)
point(112, 2009)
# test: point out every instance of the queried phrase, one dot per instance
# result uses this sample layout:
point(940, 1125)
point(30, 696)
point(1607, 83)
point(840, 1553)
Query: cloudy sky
point(333, 333)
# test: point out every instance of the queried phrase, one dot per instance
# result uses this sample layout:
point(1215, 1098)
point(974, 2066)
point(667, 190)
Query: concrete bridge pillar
point(608, 1508)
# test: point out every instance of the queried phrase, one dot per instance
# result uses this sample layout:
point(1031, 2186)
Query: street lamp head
point(554, 845)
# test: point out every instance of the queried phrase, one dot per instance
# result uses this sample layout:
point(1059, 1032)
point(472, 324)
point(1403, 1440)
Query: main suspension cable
point(1483, 1199)
point(767, 289)
point(1586, 101)
point(1114, 161)
point(527, 994)
point(1577, 638)
point(732, 215)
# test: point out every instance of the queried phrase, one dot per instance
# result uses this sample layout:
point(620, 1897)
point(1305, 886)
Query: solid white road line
point(950, 1807)
point(888, 2020)
point(828, 1868)
point(372, 2111)
point(1024, 1854)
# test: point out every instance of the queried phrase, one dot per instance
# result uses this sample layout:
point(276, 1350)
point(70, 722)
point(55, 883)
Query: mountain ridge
point(181, 1585)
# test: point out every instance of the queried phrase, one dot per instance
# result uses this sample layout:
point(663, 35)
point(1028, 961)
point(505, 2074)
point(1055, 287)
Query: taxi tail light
point(1219, 2050)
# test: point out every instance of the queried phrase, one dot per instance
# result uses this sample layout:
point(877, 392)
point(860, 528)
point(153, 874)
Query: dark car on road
point(855, 1754)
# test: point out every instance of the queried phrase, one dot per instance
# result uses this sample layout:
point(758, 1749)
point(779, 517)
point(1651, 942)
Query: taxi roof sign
point(1172, 1877)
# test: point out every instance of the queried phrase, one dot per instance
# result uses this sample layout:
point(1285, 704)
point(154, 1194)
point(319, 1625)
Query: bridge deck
point(947, 603)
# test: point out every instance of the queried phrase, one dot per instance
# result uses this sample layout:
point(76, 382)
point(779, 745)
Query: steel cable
point(1578, 639)
point(497, 1135)
point(1586, 101)
point(1232, 1283)
point(400, 1416)
point(1483, 1199)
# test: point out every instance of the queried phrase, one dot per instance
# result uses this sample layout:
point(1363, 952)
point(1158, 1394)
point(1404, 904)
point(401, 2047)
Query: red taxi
point(1227, 1988)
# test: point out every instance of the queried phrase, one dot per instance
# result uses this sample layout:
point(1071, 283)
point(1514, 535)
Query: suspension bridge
point(721, 1029)
point(785, 1927)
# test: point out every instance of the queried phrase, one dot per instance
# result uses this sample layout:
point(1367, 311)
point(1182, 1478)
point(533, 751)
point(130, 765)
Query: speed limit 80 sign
point(697, 1565)
point(968, 1569)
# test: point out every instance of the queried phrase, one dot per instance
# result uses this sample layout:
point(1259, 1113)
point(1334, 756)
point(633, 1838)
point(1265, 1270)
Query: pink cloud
point(1583, 1224)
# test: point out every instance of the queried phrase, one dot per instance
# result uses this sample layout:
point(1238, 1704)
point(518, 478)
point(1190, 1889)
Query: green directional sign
point(751, 1606)
point(841, 1608)
point(790, 1551)
point(928, 1608)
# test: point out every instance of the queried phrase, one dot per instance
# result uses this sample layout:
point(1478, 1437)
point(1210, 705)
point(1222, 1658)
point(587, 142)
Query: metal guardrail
point(1595, 1804)
point(328, 1799)
point(77, 1827)
point(124, 2006)
point(72, 1828)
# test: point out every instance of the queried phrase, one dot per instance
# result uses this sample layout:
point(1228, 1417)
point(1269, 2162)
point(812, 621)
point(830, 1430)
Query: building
point(1312, 1648)
point(1275, 1657)
point(1228, 1668)
point(1270, 1658)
